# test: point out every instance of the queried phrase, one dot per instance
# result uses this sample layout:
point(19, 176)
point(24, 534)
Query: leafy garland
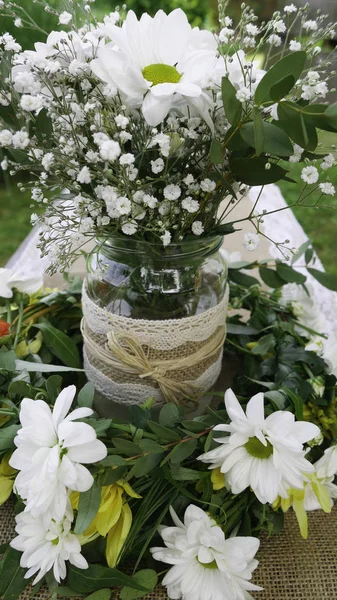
point(155, 453)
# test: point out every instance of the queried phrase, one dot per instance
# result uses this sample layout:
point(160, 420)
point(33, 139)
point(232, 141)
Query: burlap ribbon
point(124, 353)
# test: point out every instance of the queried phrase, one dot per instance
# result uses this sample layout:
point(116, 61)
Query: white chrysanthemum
point(206, 566)
point(27, 283)
point(151, 68)
point(51, 448)
point(326, 469)
point(47, 544)
point(264, 454)
point(309, 175)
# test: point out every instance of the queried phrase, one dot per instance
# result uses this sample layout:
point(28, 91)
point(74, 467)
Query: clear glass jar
point(141, 280)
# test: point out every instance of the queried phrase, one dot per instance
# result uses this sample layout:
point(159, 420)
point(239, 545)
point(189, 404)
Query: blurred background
point(320, 225)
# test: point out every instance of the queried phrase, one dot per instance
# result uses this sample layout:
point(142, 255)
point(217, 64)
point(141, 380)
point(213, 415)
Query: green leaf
point(43, 125)
point(242, 278)
point(150, 446)
point(7, 435)
point(258, 132)
point(328, 280)
point(275, 140)
point(104, 594)
point(184, 474)
point(291, 120)
point(232, 106)
point(194, 426)
point(183, 451)
point(252, 171)
point(169, 415)
point(139, 416)
point(126, 447)
point(53, 387)
point(216, 153)
point(302, 249)
point(147, 578)
point(87, 508)
point(145, 464)
point(97, 577)
point(113, 460)
point(290, 275)
point(331, 115)
point(264, 345)
point(60, 344)
point(19, 388)
point(236, 329)
point(164, 434)
point(280, 79)
point(86, 395)
point(271, 278)
point(66, 592)
point(7, 360)
point(297, 402)
point(12, 582)
point(111, 476)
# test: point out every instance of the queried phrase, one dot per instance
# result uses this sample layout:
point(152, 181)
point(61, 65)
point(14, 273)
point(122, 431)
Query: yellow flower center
point(255, 448)
point(55, 541)
point(161, 73)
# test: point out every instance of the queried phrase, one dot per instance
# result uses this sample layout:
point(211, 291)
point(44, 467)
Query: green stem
point(9, 312)
point(19, 325)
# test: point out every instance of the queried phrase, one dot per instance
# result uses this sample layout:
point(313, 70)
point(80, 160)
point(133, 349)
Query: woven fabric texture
point(290, 568)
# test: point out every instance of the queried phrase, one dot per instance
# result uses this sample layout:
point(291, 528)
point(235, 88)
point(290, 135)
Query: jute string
point(125, 353)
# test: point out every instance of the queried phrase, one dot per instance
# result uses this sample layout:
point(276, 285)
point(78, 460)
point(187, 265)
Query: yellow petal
point(117, 536)
point(75, 499)
point(6, 486)
point(301, 516)
point(217, 479)
point(127, 487)
point(5, 469)
point(22, 350)
point(322, 496)
point(107, 519)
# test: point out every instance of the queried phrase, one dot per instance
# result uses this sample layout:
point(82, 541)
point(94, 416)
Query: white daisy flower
point(205, 564)
point(144, 64)
point(309, 175)
point(47, 545)
point(264, 454)
point(50, 451)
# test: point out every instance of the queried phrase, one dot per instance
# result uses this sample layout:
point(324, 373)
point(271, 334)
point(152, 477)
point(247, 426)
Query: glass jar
point(140, 280)
point(154, 321)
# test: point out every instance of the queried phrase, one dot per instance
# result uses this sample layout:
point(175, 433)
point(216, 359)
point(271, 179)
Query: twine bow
point(124, 353)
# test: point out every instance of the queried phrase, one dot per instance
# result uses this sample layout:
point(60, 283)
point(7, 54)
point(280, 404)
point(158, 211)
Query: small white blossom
point(310, 25)
point(6, 137)
point(18, 22)
point(31, 103)
point(251, 241)
point(327, 189)
point(100, 137)
point(252, 29)
point(47, 161)
point(328, 162)
point(244, 94)
point(313, 77)
point(279, 26)
point(189, 179)
point(207, 185)
point(295, 46)
point(5, 98)
point(129, 228)
point(190, 205)
point(65, 18)
point(109, 91)
point(197, 228)
point(4, 164)
point(150, 201)
point(321, 89)
point(275, 40)
point(172, 192)
point(166, 238)
point(226, 34)
point(125, 136)
point(92, 157)
point(20, 140)
point(121, 121)
point(296, 157)
point(126, 159)
point(164, 209)
point(316, 50)
point(290, 8)
point(249, 42)
point(157, 166)
point(110, 150)
point(86, 225)
point(84, 175)
point(123, 205)
point(78, 67)
point(309, 175)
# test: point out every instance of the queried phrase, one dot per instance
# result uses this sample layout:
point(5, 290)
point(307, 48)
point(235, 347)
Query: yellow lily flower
point(217, 479)
point(113, 519)
point(7, 476)
point(296, 499)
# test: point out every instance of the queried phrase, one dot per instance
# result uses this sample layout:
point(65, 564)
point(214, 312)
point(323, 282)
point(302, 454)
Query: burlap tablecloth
point(290, 568)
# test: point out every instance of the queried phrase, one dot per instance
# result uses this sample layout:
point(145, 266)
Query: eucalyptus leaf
point(183, 451)
point(7, 435)
point(271, 278)
point(328, 280)
point(242, 278)
point(290, 275)
point(252, 171)
point(164, 434)
point(169, 415)
point(145, 464)
point(53, 386)
point(86, 395)
point(7, 360)
point(60, 344)
point(126, 447)
point(150, 446)
point(265, 344)
point(280, 78)
point(104, 594)
point(87, 509)
point(232, 106)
